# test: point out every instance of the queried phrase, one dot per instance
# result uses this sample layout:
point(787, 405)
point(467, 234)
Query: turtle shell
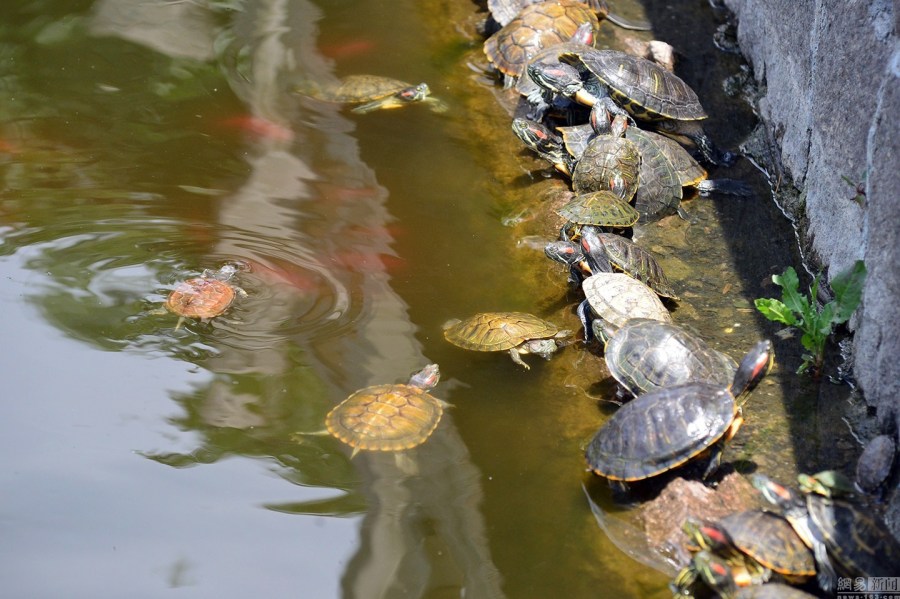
point(356, 89)
point(646, 355)
point(661, 430)
point(534, 28)
point(385, 417)
point(645, 89)
point(610, 163)
point(600, 208)
point(576, 138)
point(618, 298)
point(688, 170)
point(857, 543)
point(628, 257)
point(770, 540)
point(659, 190)
point(201, 297)
point(498, 331)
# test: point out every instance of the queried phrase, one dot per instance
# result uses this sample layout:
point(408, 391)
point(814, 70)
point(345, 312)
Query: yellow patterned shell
point(386, 417)
point(498, 331)
point(200, 298)
point(536, 27)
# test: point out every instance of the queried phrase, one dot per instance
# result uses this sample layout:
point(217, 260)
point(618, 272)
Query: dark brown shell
point(630, 258)
point(498, 331)
point(606, 159)
point(536, 27)
point(770, 540)
point(200, 298)
point(385, 418)
point(601, 208)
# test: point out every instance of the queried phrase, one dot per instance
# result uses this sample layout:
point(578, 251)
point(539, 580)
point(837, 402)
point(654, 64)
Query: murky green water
point(142, 142)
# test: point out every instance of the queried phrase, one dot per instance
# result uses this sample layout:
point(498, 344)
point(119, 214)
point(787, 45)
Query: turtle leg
point(715, 454)
point(514, 354)
point(586, 316)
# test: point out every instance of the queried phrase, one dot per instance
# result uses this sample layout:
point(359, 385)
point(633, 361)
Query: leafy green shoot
point(803, 312)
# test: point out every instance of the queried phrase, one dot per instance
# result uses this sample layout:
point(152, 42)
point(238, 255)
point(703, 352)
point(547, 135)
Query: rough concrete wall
point(829, 70)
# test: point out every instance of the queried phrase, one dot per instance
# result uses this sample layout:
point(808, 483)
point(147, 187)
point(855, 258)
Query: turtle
point(369, 93)
point(843, 536)
point(534, 28)
point(646, 355)
point(724, 576)
point(609, 162)
point(875, 464)
point(206, 296)
point(389, 417)
point(765, 537)
point(772, 590)
point(617, 298)
point(504, 11)
point(605, 252)
point(544, 142)
point(644, 89)
point(518, 332)
point(598, 208)
point(664, 429)
point(570, 254)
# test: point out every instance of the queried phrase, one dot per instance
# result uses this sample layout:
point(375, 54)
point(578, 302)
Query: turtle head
point(584, 34)
point(543, 347)
point(536, 136)
point(618, 125)
point(775, 493)
point(566, 252)
point(415, 93)
point(715, 572)
point(755, 365)
point(707, 535)
point(600, 119)
point(426, 378)
point(556, 78)
point(828, 483)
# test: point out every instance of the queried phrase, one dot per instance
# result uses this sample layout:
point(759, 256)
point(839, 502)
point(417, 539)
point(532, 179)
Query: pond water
point(142, 142)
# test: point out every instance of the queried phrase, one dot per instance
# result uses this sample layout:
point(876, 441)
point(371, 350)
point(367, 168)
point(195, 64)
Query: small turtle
point(519, 332)
point(664, 429)
point(206, 296)
point(765, 537)
point(534, 28)
point(605, 252)
point(597, 208)
point(370, 92)
point(504, 11)
point(389, 417)
point(875, 463)
point(646, 355)
point(723, 576)
point(609, 162)
point(617, 298)
point(844, 537)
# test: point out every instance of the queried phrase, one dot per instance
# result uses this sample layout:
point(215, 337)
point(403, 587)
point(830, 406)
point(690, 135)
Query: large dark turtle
point(664, 429)
point(534, 28)
point(845, 538)
point(609, 162)
point(389, 417)
point(765, 537)
point(646, 355)
point(369, 92)
point(517, 332)
point(605, 252)
point(616, 299)
point(644, 89)
point(206, 296)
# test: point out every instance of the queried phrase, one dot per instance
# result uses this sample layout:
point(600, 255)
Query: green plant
point(859, 188)
point(804, 313)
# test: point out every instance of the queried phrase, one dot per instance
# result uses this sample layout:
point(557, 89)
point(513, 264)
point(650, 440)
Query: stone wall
point(830, 75)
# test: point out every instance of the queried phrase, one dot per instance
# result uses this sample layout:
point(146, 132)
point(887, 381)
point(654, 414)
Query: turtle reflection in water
point(389, 417)
point(206, 296)
point(369, 93)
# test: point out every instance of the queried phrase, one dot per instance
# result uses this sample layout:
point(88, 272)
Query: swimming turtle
point(617, 298)
point(206, 296)
point(763, 536)
point(646, 354)
point(518, 332)
point(534, 28)
point(389, 417)
point(664, 429)
point(606, 252)
point(875, 463)
point(647, 91)
point(369, 92)
point(609, 162)
point(844, 537)
point(598, 208)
